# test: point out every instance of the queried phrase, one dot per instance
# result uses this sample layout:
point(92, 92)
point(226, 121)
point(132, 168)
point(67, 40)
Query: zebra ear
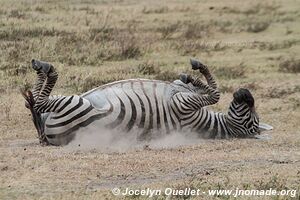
point(244, 95)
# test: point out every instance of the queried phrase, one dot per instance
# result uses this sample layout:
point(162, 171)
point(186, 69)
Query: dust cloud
point(116, 141)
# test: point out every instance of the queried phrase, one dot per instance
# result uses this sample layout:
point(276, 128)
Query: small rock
point(4, 168)
point(146, 147)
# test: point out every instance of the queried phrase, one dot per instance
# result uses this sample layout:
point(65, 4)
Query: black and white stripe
point(147, 106)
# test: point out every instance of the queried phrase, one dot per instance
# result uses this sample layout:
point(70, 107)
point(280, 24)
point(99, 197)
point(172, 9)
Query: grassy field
point(252, 44)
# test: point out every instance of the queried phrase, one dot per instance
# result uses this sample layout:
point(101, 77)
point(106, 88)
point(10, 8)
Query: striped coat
point(144, 106)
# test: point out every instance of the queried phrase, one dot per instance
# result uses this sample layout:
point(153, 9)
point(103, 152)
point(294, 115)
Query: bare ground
point(250, 44)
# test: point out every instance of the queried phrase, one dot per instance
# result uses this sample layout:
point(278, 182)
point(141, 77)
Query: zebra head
point(242, 119)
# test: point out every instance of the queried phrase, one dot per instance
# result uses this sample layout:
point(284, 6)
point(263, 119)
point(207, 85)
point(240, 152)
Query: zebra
point(139, 104)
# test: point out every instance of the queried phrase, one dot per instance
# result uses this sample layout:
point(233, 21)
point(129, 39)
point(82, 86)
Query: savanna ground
point(252, 44)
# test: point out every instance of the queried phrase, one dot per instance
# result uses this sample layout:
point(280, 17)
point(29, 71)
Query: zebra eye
point(250, 124)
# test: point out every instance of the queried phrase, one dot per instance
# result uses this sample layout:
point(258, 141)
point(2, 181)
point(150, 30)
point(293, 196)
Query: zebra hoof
point(198, 65)
point(195, 64)
point(41, 66)
point(184, 78)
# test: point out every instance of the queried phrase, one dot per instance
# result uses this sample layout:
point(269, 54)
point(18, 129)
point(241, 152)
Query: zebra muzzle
point(264, 127)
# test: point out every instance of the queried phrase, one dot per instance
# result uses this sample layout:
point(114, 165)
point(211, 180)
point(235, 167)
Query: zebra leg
point(42, 69)
point(212, 97)
point(31, 98)
point(46, 73)
point(37, 87)
point(197, 83)
point(203, 69)
point(183, 103)
point(36, 117)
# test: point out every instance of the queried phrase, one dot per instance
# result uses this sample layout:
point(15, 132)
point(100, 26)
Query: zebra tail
point(36, 116)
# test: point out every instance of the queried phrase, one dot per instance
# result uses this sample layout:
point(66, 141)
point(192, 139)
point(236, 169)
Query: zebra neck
point(220, 126)
point(232, 131)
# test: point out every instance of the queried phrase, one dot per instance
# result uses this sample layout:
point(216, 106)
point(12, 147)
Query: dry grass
point(230, 72)
point(291, 65)
point(249, 44)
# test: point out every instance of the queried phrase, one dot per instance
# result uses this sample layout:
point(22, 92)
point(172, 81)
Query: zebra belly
point(133, 105)
point(138, 105)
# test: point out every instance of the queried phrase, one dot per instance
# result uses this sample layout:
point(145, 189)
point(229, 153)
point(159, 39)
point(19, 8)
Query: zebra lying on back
point(140, 104)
